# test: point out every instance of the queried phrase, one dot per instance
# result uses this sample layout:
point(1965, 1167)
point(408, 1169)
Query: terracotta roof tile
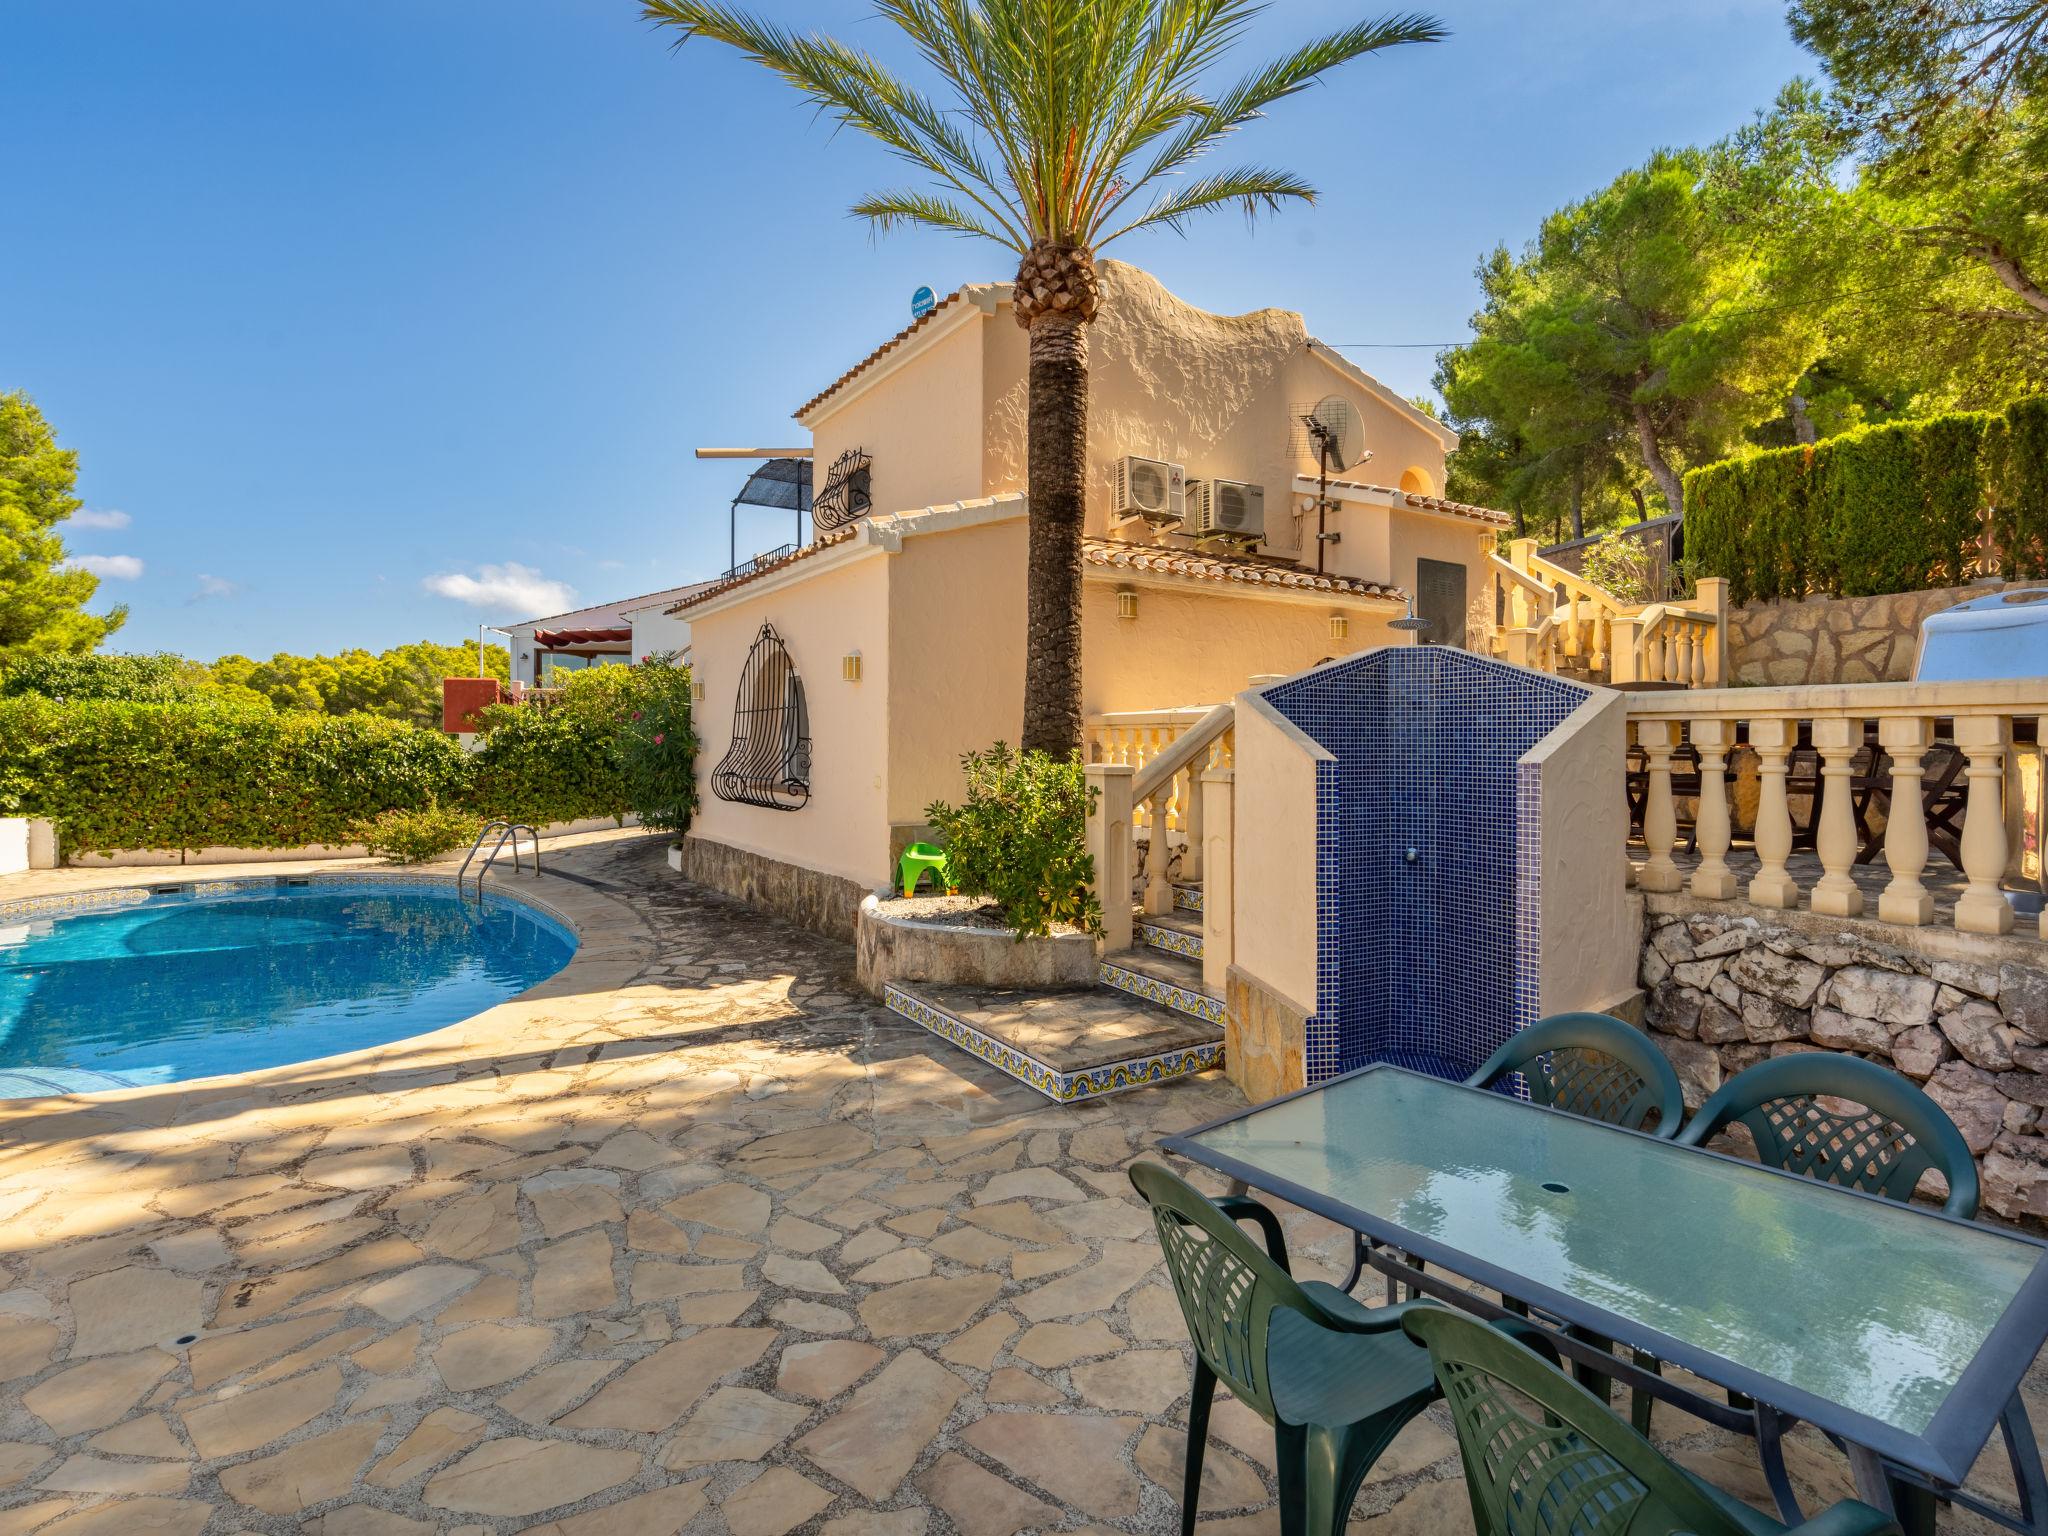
point(1486, 515)
point(824, 541)
point(1253, 570)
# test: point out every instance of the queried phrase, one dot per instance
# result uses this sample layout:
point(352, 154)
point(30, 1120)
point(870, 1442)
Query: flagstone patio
point(694, 1237)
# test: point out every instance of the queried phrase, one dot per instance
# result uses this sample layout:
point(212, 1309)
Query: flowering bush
point(658, 747)
point(1021, 836)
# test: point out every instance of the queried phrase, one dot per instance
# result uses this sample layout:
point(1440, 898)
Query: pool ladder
point(508, 831)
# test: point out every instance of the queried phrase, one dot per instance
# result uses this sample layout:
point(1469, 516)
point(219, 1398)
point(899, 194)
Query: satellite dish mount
point(1334, 436)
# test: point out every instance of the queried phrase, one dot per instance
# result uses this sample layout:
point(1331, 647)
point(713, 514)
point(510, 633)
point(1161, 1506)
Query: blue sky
point(336, 301)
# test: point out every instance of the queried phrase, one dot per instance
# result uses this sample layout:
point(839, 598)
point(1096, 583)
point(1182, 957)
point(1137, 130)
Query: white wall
point(655, 632)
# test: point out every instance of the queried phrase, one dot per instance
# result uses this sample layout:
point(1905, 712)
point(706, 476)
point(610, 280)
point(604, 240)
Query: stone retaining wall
point(822, 903)
point(890, 948)
point(1726, 990)
point(1837, 639)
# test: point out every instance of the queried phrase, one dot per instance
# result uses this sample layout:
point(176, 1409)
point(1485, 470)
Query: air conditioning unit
point(1149, 488)
point(1228, 509)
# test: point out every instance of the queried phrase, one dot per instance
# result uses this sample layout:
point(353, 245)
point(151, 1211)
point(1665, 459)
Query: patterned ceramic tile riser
point(1061, 1087)
point(1165, 993)
point(1188, 897)
point(1170, 940)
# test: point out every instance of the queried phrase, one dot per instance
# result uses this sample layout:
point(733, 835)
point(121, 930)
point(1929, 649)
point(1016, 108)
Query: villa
point(904, 616)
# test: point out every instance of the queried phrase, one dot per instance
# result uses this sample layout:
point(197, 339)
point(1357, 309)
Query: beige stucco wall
point(1192, 646)
point(956, 648)
point(1415, 536)
point(920, 421)
point(1591, 926)
point(844, 830)
point(1273, 858)
point(1221, 394)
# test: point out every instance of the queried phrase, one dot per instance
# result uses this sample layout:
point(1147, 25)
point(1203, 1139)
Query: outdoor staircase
point(1146, 1020)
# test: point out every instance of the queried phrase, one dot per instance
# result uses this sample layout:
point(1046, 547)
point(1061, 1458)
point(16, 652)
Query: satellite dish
point(1336, 437)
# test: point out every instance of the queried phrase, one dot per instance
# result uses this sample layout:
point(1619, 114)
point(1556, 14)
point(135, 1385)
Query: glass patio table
point(1898, 1329)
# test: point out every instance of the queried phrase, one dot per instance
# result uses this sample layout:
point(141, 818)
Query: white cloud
point(108, 567)
point(510, 586)
point(212, 586)
point(86, 518)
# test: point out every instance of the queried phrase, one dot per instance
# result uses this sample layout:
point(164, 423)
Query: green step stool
point(918, 858)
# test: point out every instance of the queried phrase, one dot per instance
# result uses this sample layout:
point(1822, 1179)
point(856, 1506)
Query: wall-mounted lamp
point(1340, 627)
point(849, 667)
point(1126, 603)
point(696, 687)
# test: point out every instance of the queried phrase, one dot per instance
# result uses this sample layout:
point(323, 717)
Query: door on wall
point(1440, 598)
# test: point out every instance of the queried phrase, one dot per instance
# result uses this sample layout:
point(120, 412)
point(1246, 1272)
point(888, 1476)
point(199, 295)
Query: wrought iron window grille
point(846, 497)
point(769, 761)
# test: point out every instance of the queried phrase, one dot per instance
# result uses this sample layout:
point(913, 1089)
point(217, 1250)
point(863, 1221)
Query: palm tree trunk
point(1057, 468)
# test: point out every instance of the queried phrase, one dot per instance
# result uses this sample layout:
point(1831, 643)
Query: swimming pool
point(236, 976)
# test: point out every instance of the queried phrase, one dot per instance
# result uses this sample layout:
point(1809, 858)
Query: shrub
point(1892, 508)
point(1021, 837)
point(2016, 460)
point(116, 775)
point(556, 760)
point(158, 679)
point(658, 752)
point(1620, 565)
point(408, 837)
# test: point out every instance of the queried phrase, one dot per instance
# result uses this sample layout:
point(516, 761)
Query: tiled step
point(1168, 980)
point(1070, 1046)
point(1174, 933)
point(1187, 898)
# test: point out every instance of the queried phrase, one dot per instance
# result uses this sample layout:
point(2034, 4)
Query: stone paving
point(695, 1238)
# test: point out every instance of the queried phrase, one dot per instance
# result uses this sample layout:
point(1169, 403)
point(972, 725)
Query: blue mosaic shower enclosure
point(1428, 854)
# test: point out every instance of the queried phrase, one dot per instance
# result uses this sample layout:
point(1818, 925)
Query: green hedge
point(1891, 508)
point(114, 774)
point(119, 774)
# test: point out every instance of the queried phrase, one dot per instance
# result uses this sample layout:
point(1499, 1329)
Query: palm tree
point(1062, 125)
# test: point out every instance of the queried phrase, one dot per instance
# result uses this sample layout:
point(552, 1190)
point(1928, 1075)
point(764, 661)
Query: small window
point(1417, 482)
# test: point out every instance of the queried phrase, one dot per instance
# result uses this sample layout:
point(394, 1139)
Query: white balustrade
point(1840, 750)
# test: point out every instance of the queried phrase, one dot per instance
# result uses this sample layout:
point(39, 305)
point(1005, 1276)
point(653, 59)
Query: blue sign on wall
point(922, 303)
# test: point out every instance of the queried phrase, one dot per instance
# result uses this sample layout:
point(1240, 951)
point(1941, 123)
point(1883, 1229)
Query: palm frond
point(888, 210)
point(855, 89)
point(1246, 101)
point(1251, 188)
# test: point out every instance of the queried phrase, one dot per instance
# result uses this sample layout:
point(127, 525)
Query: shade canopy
point(780, 483)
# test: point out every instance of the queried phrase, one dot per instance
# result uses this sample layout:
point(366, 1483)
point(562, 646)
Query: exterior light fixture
point(696, 687)
point(849, 667)
point(1126, 603)
point(1340, 627)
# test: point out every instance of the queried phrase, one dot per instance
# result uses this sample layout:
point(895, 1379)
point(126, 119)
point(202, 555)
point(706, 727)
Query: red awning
point(555, 639)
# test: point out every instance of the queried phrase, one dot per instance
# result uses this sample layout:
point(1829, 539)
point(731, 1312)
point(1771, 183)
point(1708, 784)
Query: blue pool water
point(194, 983)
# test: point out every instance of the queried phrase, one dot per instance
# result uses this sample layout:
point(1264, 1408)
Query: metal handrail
point(511, 833)
point(507, 831)
point(488, 829)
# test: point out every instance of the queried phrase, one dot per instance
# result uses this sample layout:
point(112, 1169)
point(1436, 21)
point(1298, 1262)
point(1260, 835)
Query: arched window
point(1417, 482)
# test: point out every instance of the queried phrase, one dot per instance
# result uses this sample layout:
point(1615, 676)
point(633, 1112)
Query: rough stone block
point(1887, 996)
point(1779, 978)
point(1980, 1035)
point(1846, 1032)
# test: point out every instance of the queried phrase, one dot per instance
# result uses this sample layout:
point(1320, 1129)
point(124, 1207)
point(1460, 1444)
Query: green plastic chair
point(1882, 1149)
point(1592, 1065)
point(1570, 1467)
point(918, 858)
point(1335, 1379)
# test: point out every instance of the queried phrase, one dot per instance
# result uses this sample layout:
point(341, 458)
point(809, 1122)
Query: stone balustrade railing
point(1910, 748)
point(1554, 620)
point(1167, 773)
